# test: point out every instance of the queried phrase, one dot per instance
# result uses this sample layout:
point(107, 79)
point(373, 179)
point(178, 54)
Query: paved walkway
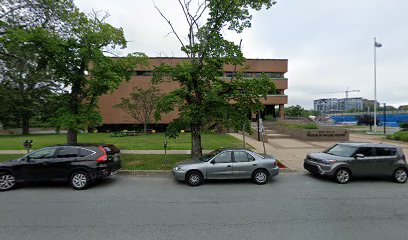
point(291, 152)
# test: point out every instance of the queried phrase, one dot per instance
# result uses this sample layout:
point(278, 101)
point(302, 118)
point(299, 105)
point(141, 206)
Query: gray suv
point(350, 159)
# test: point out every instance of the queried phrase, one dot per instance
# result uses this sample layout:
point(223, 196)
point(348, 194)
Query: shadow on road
point(354, 179)
point(65, 185)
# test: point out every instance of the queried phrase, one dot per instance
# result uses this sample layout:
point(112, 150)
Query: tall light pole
point(376, 45)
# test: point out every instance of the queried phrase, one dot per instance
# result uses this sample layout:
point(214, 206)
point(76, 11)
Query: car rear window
point(111, 149)
point(85, 152)
point(386, 151)
point(67, 152)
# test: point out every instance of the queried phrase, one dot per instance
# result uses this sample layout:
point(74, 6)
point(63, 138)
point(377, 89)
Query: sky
point(329, 44)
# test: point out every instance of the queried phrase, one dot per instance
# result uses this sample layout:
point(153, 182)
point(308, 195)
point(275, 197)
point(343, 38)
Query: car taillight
point(104, 156)
point(274, 164)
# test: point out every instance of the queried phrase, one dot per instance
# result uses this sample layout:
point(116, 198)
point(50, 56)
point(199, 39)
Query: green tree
point(366, 119)
point(141, 104)
point(25, 78)
point(203, 97)
point(296, 111)
point(82, 66)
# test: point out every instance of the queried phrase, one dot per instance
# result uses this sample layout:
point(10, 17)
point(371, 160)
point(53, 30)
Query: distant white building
point(336, 105)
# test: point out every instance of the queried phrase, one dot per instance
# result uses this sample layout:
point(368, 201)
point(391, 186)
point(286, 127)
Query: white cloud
point(329, 44)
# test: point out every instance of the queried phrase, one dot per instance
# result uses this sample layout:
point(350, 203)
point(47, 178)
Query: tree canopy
point(63, 46)
point(203, 96)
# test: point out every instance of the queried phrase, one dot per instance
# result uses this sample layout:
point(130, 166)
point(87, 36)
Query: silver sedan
point(227, 164)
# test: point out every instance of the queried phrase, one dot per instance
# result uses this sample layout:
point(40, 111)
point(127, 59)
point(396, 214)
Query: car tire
point(260, 176)
point(194, 178)
point(400, 175)
point(7, 181)
point(342, 175)
point(79, 180)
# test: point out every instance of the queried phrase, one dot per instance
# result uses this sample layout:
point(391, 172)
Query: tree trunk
point(25, 126)
point(196, 149)
point(72, 136)
point(144, 128)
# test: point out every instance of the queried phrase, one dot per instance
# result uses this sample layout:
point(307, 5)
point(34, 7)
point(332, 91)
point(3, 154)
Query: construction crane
point(347, 91)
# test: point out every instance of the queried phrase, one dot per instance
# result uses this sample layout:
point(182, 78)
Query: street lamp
point(376, 45)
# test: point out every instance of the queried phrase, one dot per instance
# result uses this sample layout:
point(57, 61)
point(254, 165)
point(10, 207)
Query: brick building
point(115, 118)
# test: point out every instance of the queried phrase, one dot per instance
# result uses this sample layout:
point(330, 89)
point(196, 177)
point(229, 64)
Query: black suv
point(79, 164)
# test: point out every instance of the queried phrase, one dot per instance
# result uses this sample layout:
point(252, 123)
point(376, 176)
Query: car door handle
point(228, 165)
point(254, 164)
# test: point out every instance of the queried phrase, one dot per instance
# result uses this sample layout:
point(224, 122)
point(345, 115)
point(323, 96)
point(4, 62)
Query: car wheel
point(400, 175)
point(260, 177)
point(342, 175)
point(79, 180)
point(7, 181)
point(194, 178)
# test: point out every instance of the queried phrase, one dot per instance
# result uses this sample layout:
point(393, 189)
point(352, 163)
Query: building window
point(270, 74)
point(229, 74)
point(143, 73)
point(247, 74)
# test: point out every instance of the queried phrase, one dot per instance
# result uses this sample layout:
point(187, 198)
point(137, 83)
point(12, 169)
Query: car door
point(35, 164)
point(60, 166)
point(243, 164)
point(220, 167)
point(385, 159)
point(366, 165)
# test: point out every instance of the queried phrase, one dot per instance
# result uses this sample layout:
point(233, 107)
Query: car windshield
point(341, 150)
point(210, 155)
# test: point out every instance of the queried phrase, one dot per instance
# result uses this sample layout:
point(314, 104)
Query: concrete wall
point(321, 134)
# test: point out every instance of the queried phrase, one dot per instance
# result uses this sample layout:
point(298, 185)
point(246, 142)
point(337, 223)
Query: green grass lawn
point(7, 157)
point(151, 161)
point(135, 161)
point(399, 136)
point(142, 142)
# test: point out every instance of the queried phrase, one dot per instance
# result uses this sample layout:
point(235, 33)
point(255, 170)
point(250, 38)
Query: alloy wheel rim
point(79, 180)
point(260, 177)
point(401, 175)
point(343, 176)
point(7, 181)
point(194, 179)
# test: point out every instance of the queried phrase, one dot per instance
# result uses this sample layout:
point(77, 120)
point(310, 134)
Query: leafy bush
point(118, 134)
point(366, 119)
point(404, 125)
point(399, 136)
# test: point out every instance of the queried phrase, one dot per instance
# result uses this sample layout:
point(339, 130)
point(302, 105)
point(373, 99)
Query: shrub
point(404, 125)
point(399, 136)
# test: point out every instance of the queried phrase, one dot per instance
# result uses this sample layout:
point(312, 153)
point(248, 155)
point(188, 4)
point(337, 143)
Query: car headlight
point(330, 161)
point(178, 169)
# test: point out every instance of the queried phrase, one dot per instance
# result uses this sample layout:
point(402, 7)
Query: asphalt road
point(292, 206)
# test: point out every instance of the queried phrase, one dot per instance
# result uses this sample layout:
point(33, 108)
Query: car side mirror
point(251, 159)
point(359, 155)
point(212, 161)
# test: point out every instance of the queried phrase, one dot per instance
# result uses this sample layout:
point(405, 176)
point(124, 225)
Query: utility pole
point(376, 45)
point(385, 118)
